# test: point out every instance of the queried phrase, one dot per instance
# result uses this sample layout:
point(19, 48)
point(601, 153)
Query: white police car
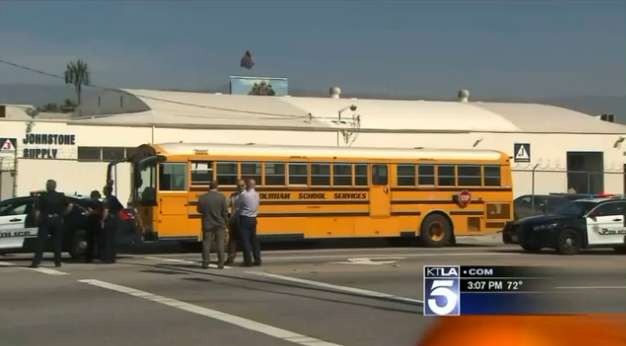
point(18, 229)
point(581, 224)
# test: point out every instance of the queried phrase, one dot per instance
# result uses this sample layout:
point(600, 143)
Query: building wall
point(110, 102)
point(549, 152)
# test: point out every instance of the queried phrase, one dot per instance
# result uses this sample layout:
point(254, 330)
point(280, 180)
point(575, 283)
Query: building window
point(112, 154)
point(226, 173)
point(469, 175)
point(406, 175)
point(360, 174)
point(492, 176)
point(201, 172)
point(89, 154)
point(445, 175)
point(320, 174)
point(173, 177)
point(130, 152)
point(298, 173)
point(251, 170)
point(274, 173)
point(426, 174)
point(342, 174)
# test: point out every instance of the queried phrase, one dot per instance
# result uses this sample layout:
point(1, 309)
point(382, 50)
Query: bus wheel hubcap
point(435, 231)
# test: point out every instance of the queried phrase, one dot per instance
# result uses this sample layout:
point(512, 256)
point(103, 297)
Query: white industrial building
point(75, 151)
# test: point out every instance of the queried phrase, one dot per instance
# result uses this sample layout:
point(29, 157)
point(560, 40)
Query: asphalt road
point(348, 297)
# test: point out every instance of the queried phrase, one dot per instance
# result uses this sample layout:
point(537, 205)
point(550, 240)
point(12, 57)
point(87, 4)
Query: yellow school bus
point(326, 192)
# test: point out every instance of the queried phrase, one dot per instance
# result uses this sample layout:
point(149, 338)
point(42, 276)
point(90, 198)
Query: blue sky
point(494, 48)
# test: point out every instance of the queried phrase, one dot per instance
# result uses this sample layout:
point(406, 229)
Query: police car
point(581, 224)
point(18, 229)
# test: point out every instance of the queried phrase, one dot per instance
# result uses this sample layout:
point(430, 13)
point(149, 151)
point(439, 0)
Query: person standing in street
point(233, 222)
point(247, 210)
point(50, 208)
point(110, 225)
point(94, 226)
point(214, 210)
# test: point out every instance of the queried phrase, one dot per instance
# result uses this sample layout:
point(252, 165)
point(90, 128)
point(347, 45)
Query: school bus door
point(380, 196)
point(172, 206)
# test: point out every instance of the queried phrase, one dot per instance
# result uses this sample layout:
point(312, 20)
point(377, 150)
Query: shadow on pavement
point(213, 272)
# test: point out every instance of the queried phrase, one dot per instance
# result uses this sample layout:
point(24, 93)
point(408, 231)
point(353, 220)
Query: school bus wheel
point(436, 231)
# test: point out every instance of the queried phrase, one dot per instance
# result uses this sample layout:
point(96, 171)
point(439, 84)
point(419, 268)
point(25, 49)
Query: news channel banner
point(484, 290)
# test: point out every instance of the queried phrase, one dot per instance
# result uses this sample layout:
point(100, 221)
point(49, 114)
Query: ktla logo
point(441, 291)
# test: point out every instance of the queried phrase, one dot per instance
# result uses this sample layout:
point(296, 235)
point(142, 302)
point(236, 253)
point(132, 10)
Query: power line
point(22, 67)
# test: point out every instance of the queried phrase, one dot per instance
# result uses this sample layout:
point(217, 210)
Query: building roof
point(18, 112)
point(326, 152)
point(215, 110)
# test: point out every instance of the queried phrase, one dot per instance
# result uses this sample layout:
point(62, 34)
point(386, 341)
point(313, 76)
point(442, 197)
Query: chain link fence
point(543, 182)
point(7, 177)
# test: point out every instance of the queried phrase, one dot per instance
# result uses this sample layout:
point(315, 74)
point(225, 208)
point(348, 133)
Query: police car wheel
point(569, 242)
point(435, 231)
point(78, 245)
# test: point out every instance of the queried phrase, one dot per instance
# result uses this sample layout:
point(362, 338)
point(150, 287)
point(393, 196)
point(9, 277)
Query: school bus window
point(469, 175)
point(201, 172)
point(226, 173)
point(274, 173)
point(173, 177)
point(426, 174)
point(492, 176)
point(445, 175)
point(298, 173)
point(342, 174)
point(406, 175)
point(251, 170)
point(380, 175)
point(320, 174)
point(360, 174)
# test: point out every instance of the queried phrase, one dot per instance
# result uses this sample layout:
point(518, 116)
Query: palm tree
point(262, 89)
point(77, 74)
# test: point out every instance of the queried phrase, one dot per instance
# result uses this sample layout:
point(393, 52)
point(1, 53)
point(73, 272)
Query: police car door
point(14, 215)
point(605, 224)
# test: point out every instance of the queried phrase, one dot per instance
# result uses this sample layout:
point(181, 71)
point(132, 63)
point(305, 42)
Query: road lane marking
point(48, 271)
point(40, 270)
point(181, 261)
point(270, 258)
point(368, 261)
point(218, 315)
point(590, 287)
point(338, 288)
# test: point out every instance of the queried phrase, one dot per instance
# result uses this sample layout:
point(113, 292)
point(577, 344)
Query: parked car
point(524, 206)
point(18, 229)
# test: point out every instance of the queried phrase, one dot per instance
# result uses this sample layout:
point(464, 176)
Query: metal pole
point(532, 200)
point(152, 134)
point(338, 137)
point(15, 172)
point(588, 182)
point(116, 181)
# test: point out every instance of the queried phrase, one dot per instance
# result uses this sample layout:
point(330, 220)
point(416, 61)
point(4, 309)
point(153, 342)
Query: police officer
point(94, 226)
point(110, 224)
point(50, 208)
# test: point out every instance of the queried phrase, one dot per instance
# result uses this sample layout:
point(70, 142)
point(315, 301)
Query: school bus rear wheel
point(436, 231)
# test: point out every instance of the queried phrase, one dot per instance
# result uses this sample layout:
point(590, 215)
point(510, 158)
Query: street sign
point(521, 152)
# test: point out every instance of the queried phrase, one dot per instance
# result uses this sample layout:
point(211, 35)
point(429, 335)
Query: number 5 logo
point(440, 289)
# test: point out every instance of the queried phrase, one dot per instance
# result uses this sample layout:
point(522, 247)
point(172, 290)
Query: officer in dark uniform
point(50, 207)
point(110, 225)
point(94, 226)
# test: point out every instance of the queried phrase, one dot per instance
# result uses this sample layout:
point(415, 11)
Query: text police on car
point(581, 224)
